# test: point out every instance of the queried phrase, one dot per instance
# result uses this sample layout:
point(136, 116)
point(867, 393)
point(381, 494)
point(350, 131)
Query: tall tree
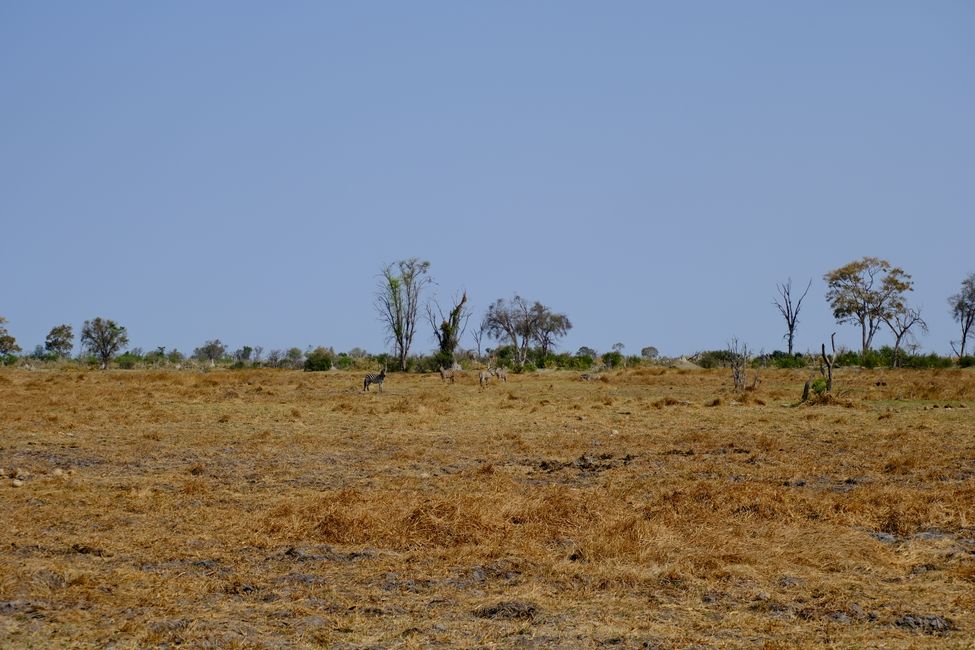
point(398, 301)
point(514, 320)
point(789, 308)
point(523, 323)
point(963, 310)
point(60, 340)
point(900, 323)
point(865, 292)
point(448, 328)
point(8, 344)
point(478, 336)
point(103, 338)
point(550, 328)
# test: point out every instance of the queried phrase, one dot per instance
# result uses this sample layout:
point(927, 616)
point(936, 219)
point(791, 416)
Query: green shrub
point(925, 361)
point(966, 361)
point(127, 361)
point(714, 359)
point(613, 359)
point(319, 359)
point(819, 386)
point(870, 359)
point(570, 362)
point(344, 362)
point(779, 359)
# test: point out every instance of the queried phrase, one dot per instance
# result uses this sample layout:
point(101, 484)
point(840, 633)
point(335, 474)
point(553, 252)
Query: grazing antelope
point(374, 378)
point(446, 374)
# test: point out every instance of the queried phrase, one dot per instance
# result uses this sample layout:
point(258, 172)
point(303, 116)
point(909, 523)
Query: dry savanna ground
point(649, 508)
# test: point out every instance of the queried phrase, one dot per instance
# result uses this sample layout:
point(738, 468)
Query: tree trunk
point(791, 336)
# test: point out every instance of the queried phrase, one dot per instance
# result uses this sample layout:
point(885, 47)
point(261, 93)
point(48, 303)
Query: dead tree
point(828, 363)
point(790, 310)
point(763, 363)
point(739, 355)
point(900, 323)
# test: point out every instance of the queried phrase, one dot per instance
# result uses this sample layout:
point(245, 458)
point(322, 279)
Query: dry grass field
point(651, 508)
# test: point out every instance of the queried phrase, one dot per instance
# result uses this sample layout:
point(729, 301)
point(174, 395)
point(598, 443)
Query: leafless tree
point(740, 356)
point(900, 323)
point(515, 320)
point(478, 336)
point(398, 302)
point(828, 361)
point(790, 309)
point(522, 324)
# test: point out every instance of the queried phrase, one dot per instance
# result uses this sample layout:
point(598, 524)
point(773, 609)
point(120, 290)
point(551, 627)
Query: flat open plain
point(652, 508)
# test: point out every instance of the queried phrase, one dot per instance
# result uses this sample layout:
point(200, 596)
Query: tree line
point(869, 293)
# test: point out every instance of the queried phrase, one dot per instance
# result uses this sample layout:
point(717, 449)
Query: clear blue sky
point(243, 170)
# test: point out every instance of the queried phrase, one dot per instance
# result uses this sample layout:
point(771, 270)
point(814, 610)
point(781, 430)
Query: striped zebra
point(484, 378)
point(500, 373)
point(446, 374)
point(374, 378)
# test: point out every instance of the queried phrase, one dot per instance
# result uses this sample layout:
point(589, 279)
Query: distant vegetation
point(524, 335)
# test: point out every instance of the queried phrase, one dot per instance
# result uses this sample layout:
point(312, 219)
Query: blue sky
point(242, 171)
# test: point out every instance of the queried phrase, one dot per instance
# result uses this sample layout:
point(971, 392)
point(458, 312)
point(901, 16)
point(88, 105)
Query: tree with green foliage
point(549, 329)
point(398, 302)
point(866, 292)
point(963, 310)
point(103, 338)
point(448, 328)
point(586, 351)
point(211, 351)
point(650, 353)
point(60, 340)
point(319, 360)
point(293, 357)
point(8, 344)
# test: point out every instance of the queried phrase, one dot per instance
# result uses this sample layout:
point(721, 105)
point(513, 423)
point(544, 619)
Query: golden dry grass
point(649, 509)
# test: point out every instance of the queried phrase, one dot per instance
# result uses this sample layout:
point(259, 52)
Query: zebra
point(374, 378)
point(485, 377)
point(500, 373)
point(446, 373)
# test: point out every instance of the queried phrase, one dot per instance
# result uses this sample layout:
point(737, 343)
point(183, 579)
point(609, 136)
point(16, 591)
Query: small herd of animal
point(483, 377)
point(446, 374)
